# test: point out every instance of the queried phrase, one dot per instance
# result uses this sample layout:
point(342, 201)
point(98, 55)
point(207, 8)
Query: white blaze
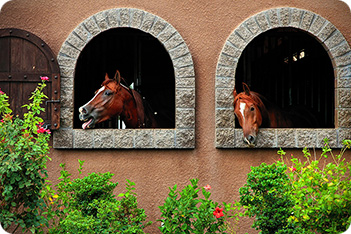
point(242, 109)
point(97, 93)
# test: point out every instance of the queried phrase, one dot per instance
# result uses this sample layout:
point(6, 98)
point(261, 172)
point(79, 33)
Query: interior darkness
point(140, 58)
point(291, 69)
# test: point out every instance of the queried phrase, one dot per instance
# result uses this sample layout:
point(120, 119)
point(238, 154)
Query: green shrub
point(23, 156)
point(88, 206)
point(190, 214)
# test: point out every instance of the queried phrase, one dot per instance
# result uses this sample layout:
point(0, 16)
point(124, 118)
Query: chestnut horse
point(254, 111)
point(115, 99)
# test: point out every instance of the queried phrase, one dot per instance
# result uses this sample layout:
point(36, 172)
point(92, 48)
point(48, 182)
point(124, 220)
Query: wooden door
point(24, 58)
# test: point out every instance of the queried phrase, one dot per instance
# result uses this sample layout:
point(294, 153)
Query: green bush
point(23, 156)
point(190, 214)
point(88, 206)
point(307, 197)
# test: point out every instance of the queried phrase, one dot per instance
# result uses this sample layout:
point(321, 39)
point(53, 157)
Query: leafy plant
point(190, 214)
point(321, 190)
point(23, 156)
point(88, 205)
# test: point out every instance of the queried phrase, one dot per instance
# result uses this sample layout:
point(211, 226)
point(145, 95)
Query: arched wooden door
point(24, 58)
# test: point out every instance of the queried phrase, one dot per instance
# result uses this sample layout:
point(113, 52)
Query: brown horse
point(254, 111)
point(115, 99)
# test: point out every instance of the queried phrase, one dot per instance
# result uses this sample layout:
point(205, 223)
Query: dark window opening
point(141, 60)
point(291, 69)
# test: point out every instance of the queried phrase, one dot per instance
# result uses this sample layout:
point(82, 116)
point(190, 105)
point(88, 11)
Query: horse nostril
point(82, 110)
point(251, 139)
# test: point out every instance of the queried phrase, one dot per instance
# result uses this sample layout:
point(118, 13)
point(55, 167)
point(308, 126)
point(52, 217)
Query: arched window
point(143, 63)
point(150, 53)
point(291, 69)
point(295, 57)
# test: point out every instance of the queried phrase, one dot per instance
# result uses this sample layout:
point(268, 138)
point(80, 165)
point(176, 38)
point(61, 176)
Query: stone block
point(295, 17)
point(63, 139)
point(284, 16)
point(326, 31)
point(244, 33)
point(103, 138)
point(286, 138)
point(237, 41)
point(67, 82)
point(157, 27)
point(224, 97)
point(66, 120)
point(183, 61)
point(65, 61)
point(124, 138)
point(344, 82)
point(184, 72)
point(92, 26)
point(82, 33)
point(262, 21)
point(225, 82)
point(69, 51)
point(185, 138)
point(124, 17)
point(266, 138)
point(344, 60)
point(112, 18)
point(273, 18)
point(144, 138)
point(101, 20)
point(75, 41)
point(343, 118)
point(185, 82)
point(164, 138)
point(67, 97)
point(179, 51)
point(238, 138)
point(335, 39)
point(339, 50)
point(83, 139)
point(185, 98)
point(223, 71)
point(306, 138)
point(306, 20)
point(253, 26)
point(343, 98)
point(231, 51)
point(225, 118)
point(67, 72)
point(226, 60)
point(174, 41)
point(147, 22)
point(317, 24)
point(331, 134)
point(137, 17)
point(344, 133)
point(166, 33)
point(185, 118)
point(225, 137)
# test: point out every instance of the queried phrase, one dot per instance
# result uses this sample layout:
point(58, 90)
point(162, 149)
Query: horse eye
point(252, 108)
point(107, 93)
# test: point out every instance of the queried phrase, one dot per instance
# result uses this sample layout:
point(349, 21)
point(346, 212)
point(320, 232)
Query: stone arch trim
point(183, 136)
point(339, 52)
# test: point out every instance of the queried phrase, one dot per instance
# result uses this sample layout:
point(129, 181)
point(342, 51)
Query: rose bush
point(23, 155)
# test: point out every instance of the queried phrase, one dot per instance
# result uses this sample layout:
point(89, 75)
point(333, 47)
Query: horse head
point(109, 101)
point(247, 109)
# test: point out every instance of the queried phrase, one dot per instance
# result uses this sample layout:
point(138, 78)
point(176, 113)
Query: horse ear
point(246, 89)
point(117, 77)
point(234, 92)
point(106, 76)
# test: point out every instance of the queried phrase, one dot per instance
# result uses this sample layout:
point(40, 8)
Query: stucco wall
point(204, 26)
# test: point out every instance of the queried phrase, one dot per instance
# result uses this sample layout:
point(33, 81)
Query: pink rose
point(44, 78)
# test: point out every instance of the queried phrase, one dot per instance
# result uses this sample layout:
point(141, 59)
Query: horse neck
point(266, 108)
point(129, 114)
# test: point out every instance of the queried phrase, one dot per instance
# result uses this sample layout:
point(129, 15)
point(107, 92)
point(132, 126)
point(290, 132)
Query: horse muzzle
point(250, 141)
point(86, 117)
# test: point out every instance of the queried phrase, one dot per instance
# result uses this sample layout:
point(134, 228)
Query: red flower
point(1, 92)
point(218, 212)
point(207, 187)
point(42, 130)
point(292, 169)
point(44, 78)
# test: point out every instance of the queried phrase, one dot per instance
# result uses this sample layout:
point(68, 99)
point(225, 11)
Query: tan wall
point(205, 26)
